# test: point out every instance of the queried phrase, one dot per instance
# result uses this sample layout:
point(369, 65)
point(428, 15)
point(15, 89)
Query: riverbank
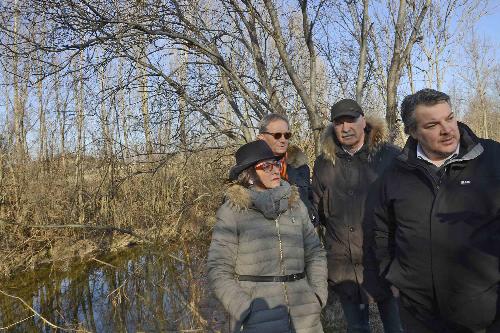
point(145, 288)
point(48, 214)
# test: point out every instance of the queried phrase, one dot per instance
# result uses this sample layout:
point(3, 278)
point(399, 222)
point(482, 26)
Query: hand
point(395, 291)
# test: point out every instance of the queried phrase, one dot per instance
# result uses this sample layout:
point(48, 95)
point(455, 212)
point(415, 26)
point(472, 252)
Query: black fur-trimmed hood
point(375, 137)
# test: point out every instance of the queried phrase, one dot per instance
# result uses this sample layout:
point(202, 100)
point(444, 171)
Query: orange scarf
point(283, 173)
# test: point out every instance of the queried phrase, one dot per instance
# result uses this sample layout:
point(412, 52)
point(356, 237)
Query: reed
point(46, 215)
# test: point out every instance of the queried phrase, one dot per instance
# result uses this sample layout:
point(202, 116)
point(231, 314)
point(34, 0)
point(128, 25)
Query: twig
point(17, 322)
point(104, 263)
point(32, 310)
point(176, 258)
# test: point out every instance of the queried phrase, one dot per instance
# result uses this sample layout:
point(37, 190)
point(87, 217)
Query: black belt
point(283, 278)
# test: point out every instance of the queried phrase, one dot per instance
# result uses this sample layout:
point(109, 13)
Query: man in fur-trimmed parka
point(354, 154)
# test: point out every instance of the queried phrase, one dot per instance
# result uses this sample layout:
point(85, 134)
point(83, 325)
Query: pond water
point(145, 289)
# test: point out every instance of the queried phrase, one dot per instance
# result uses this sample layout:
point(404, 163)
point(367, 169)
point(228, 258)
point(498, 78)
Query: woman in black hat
point(265, 262)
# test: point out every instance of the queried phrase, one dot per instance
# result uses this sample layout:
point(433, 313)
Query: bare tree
point(446, 24)
point(478, 79)
point(401, 52)
point(308, 96)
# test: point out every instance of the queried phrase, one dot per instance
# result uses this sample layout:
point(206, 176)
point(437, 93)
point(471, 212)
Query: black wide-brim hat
point(250, 154)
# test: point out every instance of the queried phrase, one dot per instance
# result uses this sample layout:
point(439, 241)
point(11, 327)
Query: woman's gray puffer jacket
point(246, 242)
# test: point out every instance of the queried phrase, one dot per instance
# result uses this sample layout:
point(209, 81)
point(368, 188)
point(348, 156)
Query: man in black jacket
point(274, 129)
point(354, 154)
point(436, 222)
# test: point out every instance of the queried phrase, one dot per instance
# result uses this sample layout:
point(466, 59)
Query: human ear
point(363, 119)
point(413, 133)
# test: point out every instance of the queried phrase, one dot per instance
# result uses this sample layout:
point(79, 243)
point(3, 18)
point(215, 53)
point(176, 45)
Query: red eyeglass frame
point(265, 166)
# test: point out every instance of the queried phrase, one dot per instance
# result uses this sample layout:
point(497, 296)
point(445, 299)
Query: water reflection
point(144, 289)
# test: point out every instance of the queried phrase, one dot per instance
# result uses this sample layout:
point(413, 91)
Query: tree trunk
point(362, 53)
point(143, 90)
point(104, 120)
point(43, 153)
point(42, 148)
point(123, 113)
point(19, 130)
point(60, 119)
point(400, 56)
point(80, 143)
point(183, 111)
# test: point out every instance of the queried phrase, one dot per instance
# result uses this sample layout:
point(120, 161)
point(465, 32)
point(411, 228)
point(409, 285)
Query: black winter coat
point(340, 185)
point(438, 237)
point(299, 174)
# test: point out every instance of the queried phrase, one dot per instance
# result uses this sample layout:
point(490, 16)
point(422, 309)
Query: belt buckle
point(294, 277)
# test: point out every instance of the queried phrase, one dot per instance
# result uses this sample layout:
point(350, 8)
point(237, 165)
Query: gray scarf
point(271, 202)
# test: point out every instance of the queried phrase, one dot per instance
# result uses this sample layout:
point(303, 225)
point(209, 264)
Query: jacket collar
point(295, 157)
point(375, 137)
point(239, 198)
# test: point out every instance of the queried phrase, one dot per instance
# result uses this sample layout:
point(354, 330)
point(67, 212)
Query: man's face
point(350, 131)
point(436, 130)
point(280, 145)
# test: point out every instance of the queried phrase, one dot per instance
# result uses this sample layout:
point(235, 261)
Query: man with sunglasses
point(274, 129)
point(354, 154)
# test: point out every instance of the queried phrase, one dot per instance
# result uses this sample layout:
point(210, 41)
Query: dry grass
point(159, 201)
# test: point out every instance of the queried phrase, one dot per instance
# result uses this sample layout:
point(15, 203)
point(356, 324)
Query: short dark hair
point(427, 97)
point(269, 118)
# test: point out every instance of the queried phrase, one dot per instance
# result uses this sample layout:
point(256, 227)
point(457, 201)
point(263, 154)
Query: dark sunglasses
point(277, 136)
point(268, 166)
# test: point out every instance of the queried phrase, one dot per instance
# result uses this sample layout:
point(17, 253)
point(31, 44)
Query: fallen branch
point(83, 226)
point(35, 313)
point(16, 323)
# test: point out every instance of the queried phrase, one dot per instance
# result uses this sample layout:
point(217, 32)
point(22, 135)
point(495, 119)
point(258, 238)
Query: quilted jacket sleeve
point(221, 265)
point(315, 262)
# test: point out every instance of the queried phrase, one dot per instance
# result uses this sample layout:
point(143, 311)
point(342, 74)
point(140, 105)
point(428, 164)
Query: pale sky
point(489, 25)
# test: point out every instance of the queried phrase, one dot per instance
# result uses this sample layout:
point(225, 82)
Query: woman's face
point(268, 172)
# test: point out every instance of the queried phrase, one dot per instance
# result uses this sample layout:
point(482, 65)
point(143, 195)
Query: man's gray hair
point(269, 118)
point(426, 97)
